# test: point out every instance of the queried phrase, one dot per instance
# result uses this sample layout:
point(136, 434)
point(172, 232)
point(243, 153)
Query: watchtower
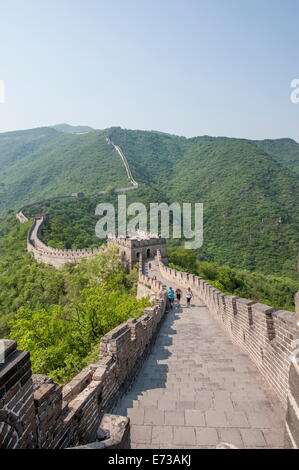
point(140, 244)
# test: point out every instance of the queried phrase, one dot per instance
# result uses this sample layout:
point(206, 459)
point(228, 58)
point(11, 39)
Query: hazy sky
point(189, 67)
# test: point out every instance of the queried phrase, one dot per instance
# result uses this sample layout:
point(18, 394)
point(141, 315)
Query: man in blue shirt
point(171, 296)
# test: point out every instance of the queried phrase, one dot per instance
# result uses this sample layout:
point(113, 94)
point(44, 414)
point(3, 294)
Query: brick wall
point(52, 416)
point(266, 334)
point(292, 418)
point(17, 413)
point(54, 256)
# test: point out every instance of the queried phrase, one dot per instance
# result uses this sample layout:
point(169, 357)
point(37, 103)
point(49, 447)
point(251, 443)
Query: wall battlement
point(133, 249)
point(266, 334)
point(35, 412)
point(42, 414)
point(20, 214)
point(54, 256)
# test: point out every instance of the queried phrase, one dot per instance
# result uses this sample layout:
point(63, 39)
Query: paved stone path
point(197, 389)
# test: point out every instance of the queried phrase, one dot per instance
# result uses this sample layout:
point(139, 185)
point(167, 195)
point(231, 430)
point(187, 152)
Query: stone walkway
point(197, 389)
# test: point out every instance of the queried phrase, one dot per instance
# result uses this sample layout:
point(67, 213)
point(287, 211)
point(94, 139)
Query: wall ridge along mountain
point(269, 336)
point(54, 256)
point(38, 413)
point(125, 162)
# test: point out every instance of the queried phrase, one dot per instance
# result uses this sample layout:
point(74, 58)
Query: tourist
point(171, 296)
point(189, 296)
point(178, 294)
point(149, 265)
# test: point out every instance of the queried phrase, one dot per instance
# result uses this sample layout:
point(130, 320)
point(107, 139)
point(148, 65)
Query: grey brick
point(253, 438)
point(141, 434)
point(231, 436)
point(162, 434)
point(184, 435)
point(153, 416)
point(237, 419)
point(136, 415)
point(175, 417)
point(206, 436)
point(216, 419)
point(194, 418)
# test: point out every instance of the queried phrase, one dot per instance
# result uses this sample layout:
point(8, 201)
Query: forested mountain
point(43, 162)
point(286, 151)
point(67, 129)
point(52, 313)
point(250, 197)
point(249, 189)
point(152, 156)
point(250, 193)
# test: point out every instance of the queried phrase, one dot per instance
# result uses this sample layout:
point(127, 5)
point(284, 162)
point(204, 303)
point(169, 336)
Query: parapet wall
point(52, 416)
point(292, 418)
point(125, 162)
point(133, 249)
point(54, 256)
point(20, 214)
point(266, 334)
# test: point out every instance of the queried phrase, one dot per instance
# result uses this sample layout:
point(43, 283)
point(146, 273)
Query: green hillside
point(52, 313)
point(41, 163)
point(250, 196)
point(250, 193)
point(286, 151)
point(250, 204)
point(271, 290)
point(152, 155)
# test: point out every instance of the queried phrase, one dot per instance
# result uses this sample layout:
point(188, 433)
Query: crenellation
point(135, 248)
point(43, 414)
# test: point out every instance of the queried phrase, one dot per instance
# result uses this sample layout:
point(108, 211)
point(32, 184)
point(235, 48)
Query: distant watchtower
point(139, 244)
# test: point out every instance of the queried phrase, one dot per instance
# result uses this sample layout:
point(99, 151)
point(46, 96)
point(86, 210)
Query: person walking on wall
point(171, 297)
point(189, 296)
point(178, 294)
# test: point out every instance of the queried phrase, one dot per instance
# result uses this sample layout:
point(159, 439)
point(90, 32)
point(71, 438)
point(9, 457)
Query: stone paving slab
point(197, 389)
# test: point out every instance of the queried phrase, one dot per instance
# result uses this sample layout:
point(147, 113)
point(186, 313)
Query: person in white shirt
point(189, 296)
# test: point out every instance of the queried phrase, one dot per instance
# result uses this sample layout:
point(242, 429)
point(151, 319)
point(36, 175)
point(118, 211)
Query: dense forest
point(250, 193)
point(279, 292)
point(60, 315)
point(286, 151)
point(43, 163)
point(250, 197)
point(75, 228)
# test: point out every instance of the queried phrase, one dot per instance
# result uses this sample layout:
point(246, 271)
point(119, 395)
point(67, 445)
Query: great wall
point(222, 374)
point(113, 403)
point(58, 257)
point(49, 255)
point(38, 413)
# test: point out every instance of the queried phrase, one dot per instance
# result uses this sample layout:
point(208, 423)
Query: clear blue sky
point(189, 67)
